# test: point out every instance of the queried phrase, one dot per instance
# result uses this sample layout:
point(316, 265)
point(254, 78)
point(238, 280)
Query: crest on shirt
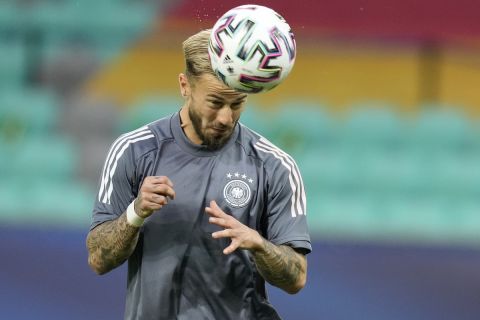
point(237, 191)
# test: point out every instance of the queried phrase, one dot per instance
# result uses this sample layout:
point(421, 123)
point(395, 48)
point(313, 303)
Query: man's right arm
point(111, 243)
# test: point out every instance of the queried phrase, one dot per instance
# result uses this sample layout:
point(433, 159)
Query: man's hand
point(153, 195)
point(280, 265)
point(242, 236)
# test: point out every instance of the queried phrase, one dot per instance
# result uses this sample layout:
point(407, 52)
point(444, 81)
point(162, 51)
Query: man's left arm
point(279, 265)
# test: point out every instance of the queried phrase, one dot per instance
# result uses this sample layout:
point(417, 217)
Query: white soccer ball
point(252, 48)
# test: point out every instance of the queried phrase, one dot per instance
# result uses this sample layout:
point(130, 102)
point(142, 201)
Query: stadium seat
point(97, 22)
point(440, 129)
point(9, 17)
point(62, 203)
point(27, 112)
point(50, 159)
point(12, 64)
point(147, 110)
point(258, 120)
point(466, 218)
point(341, 215)
point(301, 125)
point(322, 170)
point(12, 201)
point(413, 218)
point(371, 126)
point(49, 203)
point(459, 174)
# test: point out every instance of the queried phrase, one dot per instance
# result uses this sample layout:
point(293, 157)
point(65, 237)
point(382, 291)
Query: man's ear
point(184, 85)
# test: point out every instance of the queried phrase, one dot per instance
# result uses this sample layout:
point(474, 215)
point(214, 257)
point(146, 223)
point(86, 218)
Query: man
point(204, 209)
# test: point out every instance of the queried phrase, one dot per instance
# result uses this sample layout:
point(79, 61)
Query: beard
point(211, 141)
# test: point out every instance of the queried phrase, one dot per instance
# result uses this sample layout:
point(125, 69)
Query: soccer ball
point(251, 48)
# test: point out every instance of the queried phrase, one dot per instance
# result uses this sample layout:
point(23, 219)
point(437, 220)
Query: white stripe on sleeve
point(295, 179)
point(296, 172)
point(116, 152)
point(115, 146)
point(106, 198)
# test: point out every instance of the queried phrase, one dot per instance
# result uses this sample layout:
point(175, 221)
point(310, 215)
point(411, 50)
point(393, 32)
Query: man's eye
point(216, 104)
point(236, 105)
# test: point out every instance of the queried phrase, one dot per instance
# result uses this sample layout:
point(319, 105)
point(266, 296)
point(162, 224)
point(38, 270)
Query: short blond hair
point(195, 51)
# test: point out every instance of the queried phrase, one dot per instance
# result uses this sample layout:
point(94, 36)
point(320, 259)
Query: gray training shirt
point(178, 271)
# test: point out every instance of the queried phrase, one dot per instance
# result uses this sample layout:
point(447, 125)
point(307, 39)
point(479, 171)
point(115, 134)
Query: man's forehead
point(217, 89)
point(226, 94)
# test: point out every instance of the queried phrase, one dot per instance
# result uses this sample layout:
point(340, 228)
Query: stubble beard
point(212, 142)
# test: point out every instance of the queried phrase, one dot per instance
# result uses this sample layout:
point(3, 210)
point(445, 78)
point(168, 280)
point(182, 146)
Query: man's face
point(214, 110)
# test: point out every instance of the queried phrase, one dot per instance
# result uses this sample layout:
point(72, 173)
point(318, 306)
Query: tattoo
point(281, 266)
point(111, 243)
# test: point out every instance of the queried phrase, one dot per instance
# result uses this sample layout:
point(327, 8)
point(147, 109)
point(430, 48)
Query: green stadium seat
point(467, 220)
point(326, 170)
point(97, 22)
point(438, 129)
point(34, 159)
point(372, 126)
point(341, 215)
point(458, 174)
point(147, 110)
point(299, 126)
point(9, 17)
point(412, 218)
point(392, 179)
point(395, 171)
point(12, 64)
point(13, 204)
point(27, 113)
point(67, 203)
point(258, 120)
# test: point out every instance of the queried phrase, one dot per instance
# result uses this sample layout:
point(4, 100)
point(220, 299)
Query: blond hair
point(195, 51)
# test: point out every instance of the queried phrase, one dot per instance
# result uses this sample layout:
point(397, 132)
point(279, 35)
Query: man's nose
point(225, 116)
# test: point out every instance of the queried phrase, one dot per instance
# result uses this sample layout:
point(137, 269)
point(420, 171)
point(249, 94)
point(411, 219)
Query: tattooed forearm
point(110, 244)
point(281, 266)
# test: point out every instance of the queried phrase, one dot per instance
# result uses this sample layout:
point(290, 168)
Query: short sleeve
point(116, 184)
point(286, 208)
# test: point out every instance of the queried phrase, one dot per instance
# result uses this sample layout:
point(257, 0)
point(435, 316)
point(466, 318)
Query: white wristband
point(133, 218)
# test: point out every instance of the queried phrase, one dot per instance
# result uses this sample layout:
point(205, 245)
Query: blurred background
point(381, 113)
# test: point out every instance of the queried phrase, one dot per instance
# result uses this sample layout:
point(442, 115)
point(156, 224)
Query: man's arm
point(280, 266)
point(112, 242)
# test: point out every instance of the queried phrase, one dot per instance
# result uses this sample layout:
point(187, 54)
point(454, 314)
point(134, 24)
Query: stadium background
point(381, 113)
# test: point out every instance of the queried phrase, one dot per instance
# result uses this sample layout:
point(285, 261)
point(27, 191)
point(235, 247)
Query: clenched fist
point(153, 195)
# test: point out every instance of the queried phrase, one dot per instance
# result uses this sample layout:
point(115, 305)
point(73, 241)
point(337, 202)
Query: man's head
point(211, 109)
point(195, 51)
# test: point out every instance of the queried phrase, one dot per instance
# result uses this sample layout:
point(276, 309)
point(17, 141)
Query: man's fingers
point(228, 233)
point(145, 209)
point(231, 248)
point(222, 234)
point(164, 190)
point(153, 205)
point(160, 180)
point(219, 222)
point(215, 211)
point(158, 199)
point(214, 205)
point(160, 189)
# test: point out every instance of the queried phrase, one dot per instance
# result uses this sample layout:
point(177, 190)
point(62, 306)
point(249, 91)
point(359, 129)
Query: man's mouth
point(220, 130)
